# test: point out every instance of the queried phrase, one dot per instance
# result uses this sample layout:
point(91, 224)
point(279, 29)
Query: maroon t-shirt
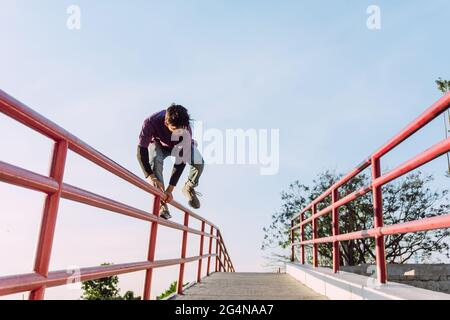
point(155, 130)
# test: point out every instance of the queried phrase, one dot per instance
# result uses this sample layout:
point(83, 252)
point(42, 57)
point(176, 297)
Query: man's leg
point(197, 166)
point(158, 155)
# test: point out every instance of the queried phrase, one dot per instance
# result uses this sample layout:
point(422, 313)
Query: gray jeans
point(159, 153)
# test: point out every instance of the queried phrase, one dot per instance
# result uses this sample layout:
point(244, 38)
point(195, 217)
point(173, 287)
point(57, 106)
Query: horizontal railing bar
point(429, 115)
point(27, 282)
point(30, 118)
point(27, 179)
point(434, 152)
point(343, 201)
point(82, 196)
point(364, 165)
point(418, 161)
point(427, 224)
point(76, 194)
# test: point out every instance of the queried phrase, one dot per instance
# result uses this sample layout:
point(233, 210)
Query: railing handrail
point(426, 117)
point(56, 189)
point(30, 118)
point(378, 180)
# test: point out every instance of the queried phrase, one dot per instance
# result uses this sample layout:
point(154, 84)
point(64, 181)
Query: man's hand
point(156, 183)
point(169, 197)
point(169, 194)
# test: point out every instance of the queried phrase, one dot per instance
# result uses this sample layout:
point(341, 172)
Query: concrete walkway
point(249, 286)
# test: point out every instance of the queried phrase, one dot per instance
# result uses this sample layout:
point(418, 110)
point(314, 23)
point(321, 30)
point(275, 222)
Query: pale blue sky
point(312, 69)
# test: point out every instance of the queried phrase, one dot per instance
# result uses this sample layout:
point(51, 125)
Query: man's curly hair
point(178, 116)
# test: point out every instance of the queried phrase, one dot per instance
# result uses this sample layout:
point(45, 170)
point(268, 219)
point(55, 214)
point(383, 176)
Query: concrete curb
point(348, 286)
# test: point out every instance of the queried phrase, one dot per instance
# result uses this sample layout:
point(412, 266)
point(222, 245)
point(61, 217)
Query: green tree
point(407, 199)
point(444, 87)
point(129, 295)
point(105, 289)
point(172, 289)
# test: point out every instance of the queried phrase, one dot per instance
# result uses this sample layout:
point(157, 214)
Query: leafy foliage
point(443, 85)
point(105, 289)
point(404, 200)
point(172, 289)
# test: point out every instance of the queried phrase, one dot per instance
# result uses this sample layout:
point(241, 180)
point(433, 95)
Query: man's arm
point(145, 138)
point(176, 174)
point(144, 160)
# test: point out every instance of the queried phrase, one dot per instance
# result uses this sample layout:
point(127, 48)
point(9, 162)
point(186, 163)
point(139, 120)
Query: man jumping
point(161, 132)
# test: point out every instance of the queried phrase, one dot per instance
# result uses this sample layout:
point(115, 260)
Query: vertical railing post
point(225, 258)
point(315, 236)
point(49, 217)
point(292, 242)
point(217, 250)
point(378, 217)
point(151, 248)
point(220, 258)
point(302, 237)
point(202, 240)
point(222, 254)
point(224, 261)
point(183, 254)
point(210, 251)
point(335, 222)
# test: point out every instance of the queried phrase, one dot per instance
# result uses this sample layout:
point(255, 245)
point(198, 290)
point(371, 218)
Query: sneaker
point(164, 212)
point(192, 196)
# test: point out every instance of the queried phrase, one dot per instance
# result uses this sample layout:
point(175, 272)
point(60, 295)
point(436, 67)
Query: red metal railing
point(378, 180)
point(55, 188)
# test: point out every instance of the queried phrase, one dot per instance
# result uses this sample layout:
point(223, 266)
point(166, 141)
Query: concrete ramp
point(249, 286)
